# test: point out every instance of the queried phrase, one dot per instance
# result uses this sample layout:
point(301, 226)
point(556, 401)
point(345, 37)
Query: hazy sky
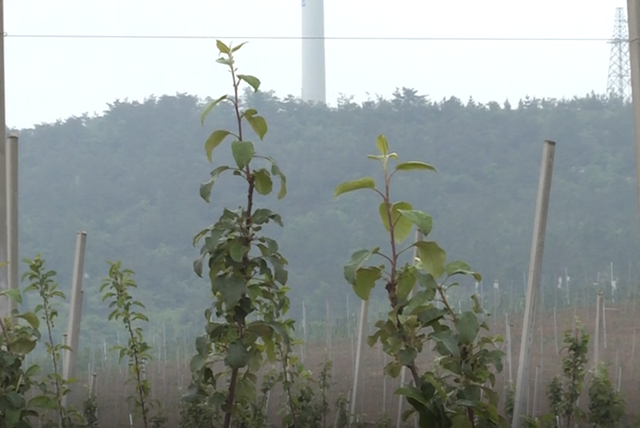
point(52, 78)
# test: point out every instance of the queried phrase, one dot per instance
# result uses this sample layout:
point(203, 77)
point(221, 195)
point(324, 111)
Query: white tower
point(313, 80)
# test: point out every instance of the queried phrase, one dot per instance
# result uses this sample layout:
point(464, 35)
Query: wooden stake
point(533, 283)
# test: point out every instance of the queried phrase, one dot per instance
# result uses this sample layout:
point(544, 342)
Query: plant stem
point(414, 374)
point(53, 357)
point(136, 361)
point(391, 285)
point(445, 302)
point(230, 397)
point(286, 384)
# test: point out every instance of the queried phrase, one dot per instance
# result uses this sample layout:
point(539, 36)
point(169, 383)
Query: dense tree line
point(130, 178)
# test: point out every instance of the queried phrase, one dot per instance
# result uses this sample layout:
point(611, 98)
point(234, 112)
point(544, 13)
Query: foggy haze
point(53, 78)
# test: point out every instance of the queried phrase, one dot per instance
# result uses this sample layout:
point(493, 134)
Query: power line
point(346, 38)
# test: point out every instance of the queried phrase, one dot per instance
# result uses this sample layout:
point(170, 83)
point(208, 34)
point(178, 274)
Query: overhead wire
point(329, 38)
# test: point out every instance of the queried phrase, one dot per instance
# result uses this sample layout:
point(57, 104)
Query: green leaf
point(253, 81)
point(31, 318)
point(214, 141)
point(278, 263)
point(209, 107)
point(414, 165)
point(11, 417)
point(236, 48)
point(243, 152)
point(413, 392)
point(406, 356)
point(263, 215)
point(237, 355)
point(448, 341)
point(223, 48)
point(237, 250)
point(13, 294)
point(356, 261)
point(431, 315)
point(231, 288)
point(200, 234)
point(382, 144)
point(393, 369)
point(263, 182)
point(207, 186)
point(402, 225)
point(15, 400)
point(197, 362)
point(459, 267)
point(258, 123)
point(428, 283)
point(366, 278)
point(432, 257)
point(421, 219)
point(406, 281)
point(468, 327)
point(461, 421)
point(349, 186)
point(32, 371)
point(23, 345)
point(42, 402)
point(275, 170)
point(225, 61)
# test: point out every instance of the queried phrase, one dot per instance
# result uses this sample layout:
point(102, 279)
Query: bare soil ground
point(171, 379)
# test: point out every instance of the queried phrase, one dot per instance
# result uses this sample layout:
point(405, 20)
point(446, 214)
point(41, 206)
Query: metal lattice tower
point(619, 80)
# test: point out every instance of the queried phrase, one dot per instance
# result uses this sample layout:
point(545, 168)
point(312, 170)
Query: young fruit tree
point(458, 390)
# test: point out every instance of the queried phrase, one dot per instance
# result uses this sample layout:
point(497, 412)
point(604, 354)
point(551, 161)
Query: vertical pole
point(533, 283)
point(4, 273)
point(633, 19)
point(604, 324)
point(633, 352)
point(596, 339)
point(613, 286)
point(12, 213)
point(75, 309)
point(555, 330)
point(535, 392)
point(304, 332)
point(364, 309)
point(509, 359)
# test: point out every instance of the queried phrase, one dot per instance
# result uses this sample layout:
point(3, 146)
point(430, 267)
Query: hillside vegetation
point(130, 178)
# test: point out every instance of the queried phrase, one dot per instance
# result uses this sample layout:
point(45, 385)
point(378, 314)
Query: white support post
point(364, 310)
point(596, 339)
point(509, 358)
point(12, 214)
point(75, 309)
point(4, 272)
point(533, 283)
point(633, 19)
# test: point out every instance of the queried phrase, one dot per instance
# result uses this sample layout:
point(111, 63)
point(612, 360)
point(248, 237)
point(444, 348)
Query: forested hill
point(131, 177)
